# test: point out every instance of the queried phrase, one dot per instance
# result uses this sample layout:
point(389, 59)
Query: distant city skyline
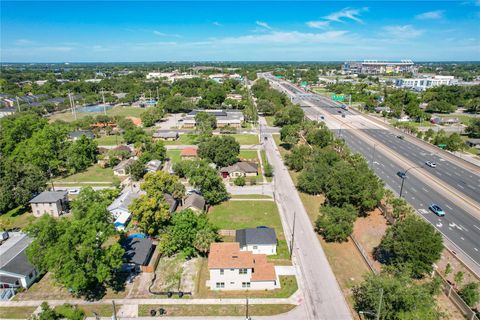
point(124, 31)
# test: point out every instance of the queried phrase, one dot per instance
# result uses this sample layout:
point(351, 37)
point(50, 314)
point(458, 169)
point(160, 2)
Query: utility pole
point(114, 315)
point(293, 234)
point(247, 317)
point(401, 187)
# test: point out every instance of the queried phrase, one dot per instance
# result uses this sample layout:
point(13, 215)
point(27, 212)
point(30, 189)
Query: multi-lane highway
point(456, 188)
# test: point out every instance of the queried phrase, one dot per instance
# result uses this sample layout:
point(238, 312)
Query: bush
point(252, 181)
point(336, 224)
point(268, 170)
point(239, 181)
point(470, 294)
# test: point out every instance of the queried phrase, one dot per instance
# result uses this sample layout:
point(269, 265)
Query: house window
point(245, 284)
point(232, 282)
point(255, 247)
point(220, 285)
point(242, 271)
point(30, 275)
point(38, 211)
point(50, 204)
point(222, 271)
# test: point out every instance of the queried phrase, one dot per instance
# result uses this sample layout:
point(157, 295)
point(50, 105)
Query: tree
point(470, 294)
point(413, 243)
point(81, 154)
point(153, 151)
point(455, 142)
point(473, 105)
point(458, 278)
point(266, 107)
point(290, 134)
point(134, 135)
point(150, 213)
point(268, 169)
point(46, 313)
point(440, 106)
point(429, 134)
point(239, 181)
point(87, 232)
point(160, 182)
point(291, 114)
point(336, 224)
point(205, 123)
point(136, 170)
point(448, 269)
point(151, 116)
point(298, 157)
point(473, 130)
point(202, 176)
point(18, 127)
point(221, 150)
point(402, 298)
point(321, 137)
point(183, 234)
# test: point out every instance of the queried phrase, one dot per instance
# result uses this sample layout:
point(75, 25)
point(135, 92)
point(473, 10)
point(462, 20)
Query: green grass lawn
point(250, 196)
point(215, 309)
point(270, 120)
point(112, 140)
point(116, 111)
point(19, 217)
point(264, 161)
point(16, 312)
point(465, 119)
point(174, 155)
point(93, 174)
point(248, 154)
point(246, 214)
point(246, 139)
point(184, 139)
point(323, 92)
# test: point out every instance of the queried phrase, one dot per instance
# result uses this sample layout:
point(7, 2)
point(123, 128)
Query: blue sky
point(107, 31)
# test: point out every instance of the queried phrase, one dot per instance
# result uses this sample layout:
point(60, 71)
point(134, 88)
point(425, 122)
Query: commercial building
point(232, 269)
point(421, 84)
point(224, 118)
point(379, 67)
point(15, 269)
point(54, 203)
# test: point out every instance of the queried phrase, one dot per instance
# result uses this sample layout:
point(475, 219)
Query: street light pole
point(380, 304)
point(405, 176)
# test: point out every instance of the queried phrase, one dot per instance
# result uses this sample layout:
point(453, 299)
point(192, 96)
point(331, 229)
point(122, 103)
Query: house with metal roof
point(259, 240)
point(15, 269)
point(54, 203)
point(153, 166)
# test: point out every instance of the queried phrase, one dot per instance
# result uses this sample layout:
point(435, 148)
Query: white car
point(431, 164)
point(73, 191)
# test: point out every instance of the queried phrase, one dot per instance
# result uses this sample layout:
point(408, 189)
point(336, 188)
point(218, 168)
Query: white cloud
point(318, 24)
point(263, 25)
point(163, 34)
point(346, 13)
point(403, 32)
point(216, 23)
point(437, 14)
point(284, 38)
point(23, 42)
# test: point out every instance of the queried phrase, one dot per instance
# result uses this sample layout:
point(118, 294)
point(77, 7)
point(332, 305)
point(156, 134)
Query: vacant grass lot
point(93, 174)
point(288, 286)
point(174, 155)
point(246, 214)
point(16, 312)
point(248, 154)
point(116, 111)
point(246, 139)
point(19, 217)
point(216, 310)
point(184, 139)
point(112, 140)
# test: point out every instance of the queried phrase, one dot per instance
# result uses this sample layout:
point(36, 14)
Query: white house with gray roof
point(259, 240)
point(119, 207)
point(15, 269)
point(54, 203)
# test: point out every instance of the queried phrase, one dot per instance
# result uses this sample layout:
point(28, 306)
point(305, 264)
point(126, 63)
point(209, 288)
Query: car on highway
point(437, 210)
point(401, 174)
point(339, 111)
point(400, 137)
point(431, 164)
point(322, 117)
point(343, 115)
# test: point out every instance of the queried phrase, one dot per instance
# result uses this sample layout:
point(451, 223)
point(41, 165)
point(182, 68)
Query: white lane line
point(462, 238)
point(413, 189)
point(449, 207)
point(475, 249)
point(424, 189)
point(476, 227)
point(460, 186)
point(463, 228)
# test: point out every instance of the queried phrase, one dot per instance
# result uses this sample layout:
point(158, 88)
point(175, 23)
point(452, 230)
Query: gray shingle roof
point(256, 236)
point(49, 197)
point(195, 200)
point(13, 258)
point(137, 250)
point(242, 166)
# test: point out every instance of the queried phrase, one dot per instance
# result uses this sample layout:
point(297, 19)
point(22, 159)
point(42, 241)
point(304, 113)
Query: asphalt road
point(460, 228)
point(323, 296)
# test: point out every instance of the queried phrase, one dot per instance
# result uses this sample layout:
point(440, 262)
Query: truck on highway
point(344, 107)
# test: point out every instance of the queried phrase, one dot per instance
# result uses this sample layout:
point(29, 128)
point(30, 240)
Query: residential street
point(323, 296)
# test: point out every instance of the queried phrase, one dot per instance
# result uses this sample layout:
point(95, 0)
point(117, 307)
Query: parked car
point(400, 137)
point(431, 164)
point(401, 174)
point(73, 191)
point(437, 210)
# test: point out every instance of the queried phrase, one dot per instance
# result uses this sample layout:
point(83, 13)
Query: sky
point(136, 31)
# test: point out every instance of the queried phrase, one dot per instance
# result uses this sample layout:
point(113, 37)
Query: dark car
point(343, 115)
point(400, 137)
point(401, 174)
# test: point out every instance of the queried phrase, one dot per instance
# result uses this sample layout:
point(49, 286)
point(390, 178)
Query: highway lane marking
point(460, 186)
point(449, 207)
point(464, 228)
point(462, 238)
point(424, 189)
point(448, 174)
point(413, 189)
point(476, 227)
point(475, 249)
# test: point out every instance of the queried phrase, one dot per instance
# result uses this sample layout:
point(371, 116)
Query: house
point(165, 135)
point(138, 252)
point(195, 202)
point(188, 153)
point(259, 240)
point(153, 166)
point(240, 169)
point(6, 112)
point(232, 269)
point(15, 269)
point(223, 118)
point(121, 169)
point(75, 135)
point(171, 201)
point(473, 143)
point(443, 121)
point(54, 203)
point(119, 207)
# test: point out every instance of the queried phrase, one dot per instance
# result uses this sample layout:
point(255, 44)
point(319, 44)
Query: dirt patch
point(189, 275)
